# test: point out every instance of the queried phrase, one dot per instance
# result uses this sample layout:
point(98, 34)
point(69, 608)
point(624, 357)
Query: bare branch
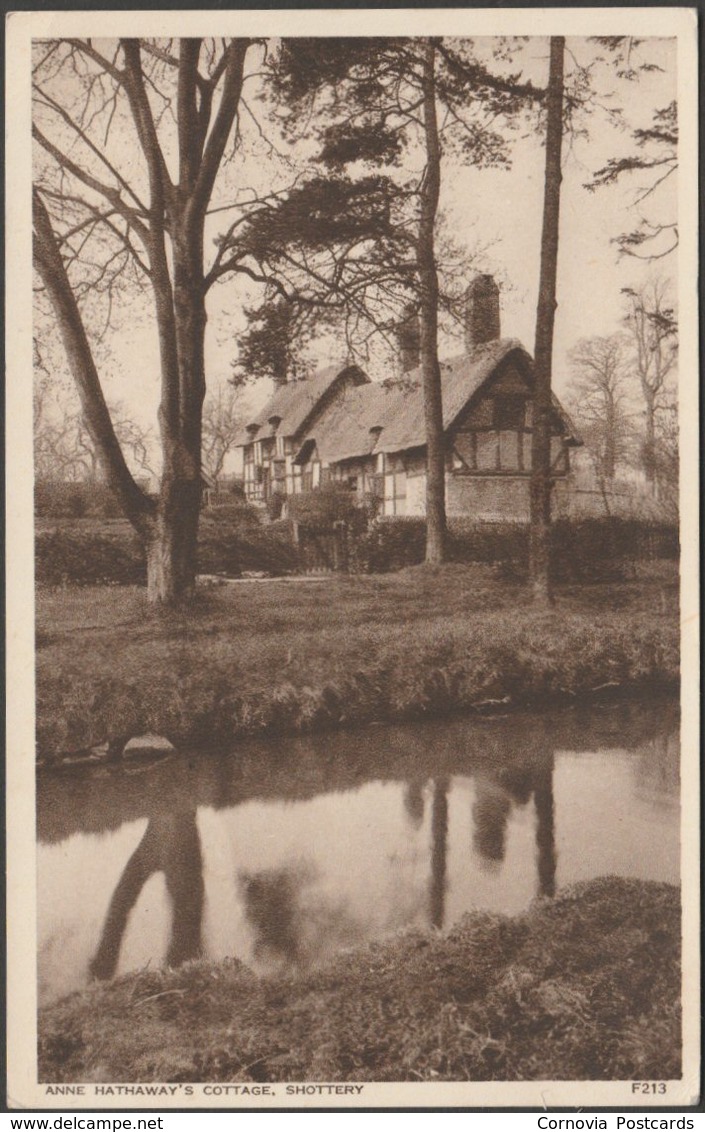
point(86, 48)
point(93, 148)
point(220, 131)
point(110, 194)
point(160, 182)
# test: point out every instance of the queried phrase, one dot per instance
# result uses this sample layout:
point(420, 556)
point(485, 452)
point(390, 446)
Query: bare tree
point(63, 446)
point(135, 440)
point(54, 451)
point(222, 422)
point(666, 455)
point(602, 401)
point(111, 182)
point(653, 330)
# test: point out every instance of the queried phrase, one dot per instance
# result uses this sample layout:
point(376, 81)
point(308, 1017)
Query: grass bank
point(582, 987)
point(254, 658)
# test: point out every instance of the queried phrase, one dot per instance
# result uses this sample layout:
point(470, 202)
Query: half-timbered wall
point(358, 474)
point(493, 437)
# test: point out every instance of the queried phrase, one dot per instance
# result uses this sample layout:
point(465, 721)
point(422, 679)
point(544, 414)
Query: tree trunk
point(428, 319)
point(171, 545)
point(649, 451)
point(610, 458)
point(541, 481)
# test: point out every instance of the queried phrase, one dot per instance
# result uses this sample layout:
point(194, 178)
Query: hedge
point(581, 549)
point(65, 500)
point(90, 551)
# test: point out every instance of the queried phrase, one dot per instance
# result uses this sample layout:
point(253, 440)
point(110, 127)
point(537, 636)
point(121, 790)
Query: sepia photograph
point(353, 559)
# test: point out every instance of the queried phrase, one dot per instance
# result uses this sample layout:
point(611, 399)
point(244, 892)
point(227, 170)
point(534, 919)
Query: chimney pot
point(481, 312)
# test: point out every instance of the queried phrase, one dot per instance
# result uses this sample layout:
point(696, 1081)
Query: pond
point(282, 852)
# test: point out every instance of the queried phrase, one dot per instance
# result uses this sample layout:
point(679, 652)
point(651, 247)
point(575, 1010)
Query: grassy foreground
point(582, 987)
point(273, 656)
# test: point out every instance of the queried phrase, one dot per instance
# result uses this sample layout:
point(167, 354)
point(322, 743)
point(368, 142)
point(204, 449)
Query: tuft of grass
point(256, 658)
point(582, 987)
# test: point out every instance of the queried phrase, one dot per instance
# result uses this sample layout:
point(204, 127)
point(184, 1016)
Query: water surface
point(288, 850)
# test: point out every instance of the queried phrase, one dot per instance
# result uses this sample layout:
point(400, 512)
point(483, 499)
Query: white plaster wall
point(416, 495)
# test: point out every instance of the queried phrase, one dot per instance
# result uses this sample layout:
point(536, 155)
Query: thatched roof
point(293, 405)
point(375, 418)
point(350, 427)
point(367, 417)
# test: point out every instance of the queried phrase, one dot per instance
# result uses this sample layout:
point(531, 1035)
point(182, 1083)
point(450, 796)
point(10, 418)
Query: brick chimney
point(409, 339)
point(481, 312)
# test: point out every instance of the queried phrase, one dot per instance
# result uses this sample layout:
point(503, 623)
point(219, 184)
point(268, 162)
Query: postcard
point(352, 559)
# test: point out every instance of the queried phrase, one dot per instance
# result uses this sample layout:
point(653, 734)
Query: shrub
point(327, 505)
point(233, 539)
point(233, 513)
point(507, 543)
point(226, 549)
point(388, 544)
point(275, 505)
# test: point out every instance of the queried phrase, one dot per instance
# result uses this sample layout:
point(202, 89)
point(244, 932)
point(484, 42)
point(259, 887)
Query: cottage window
point(305, 452)
point(509, 411)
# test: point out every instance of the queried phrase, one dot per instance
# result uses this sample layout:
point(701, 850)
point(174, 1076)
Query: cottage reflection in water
point(285, 854)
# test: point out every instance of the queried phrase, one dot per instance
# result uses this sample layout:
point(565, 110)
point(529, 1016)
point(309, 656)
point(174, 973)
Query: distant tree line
point(624, 397)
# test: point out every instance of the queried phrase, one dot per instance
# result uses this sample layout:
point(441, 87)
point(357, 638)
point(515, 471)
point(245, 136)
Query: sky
point(497, 208)
point(590, 272)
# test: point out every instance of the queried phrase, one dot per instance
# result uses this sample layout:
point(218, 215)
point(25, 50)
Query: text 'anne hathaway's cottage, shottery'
point(339, 427)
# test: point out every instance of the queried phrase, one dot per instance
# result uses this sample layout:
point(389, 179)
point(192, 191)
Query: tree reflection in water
point(294, 922)
point(415, 802)
point(497, 792)
point(170, 845)
point(273, 908)
point(545, 829)
point(490, 813)
point(439, 851)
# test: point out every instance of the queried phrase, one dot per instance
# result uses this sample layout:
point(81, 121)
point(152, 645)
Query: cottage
point(340, 427)
point(272, 443)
